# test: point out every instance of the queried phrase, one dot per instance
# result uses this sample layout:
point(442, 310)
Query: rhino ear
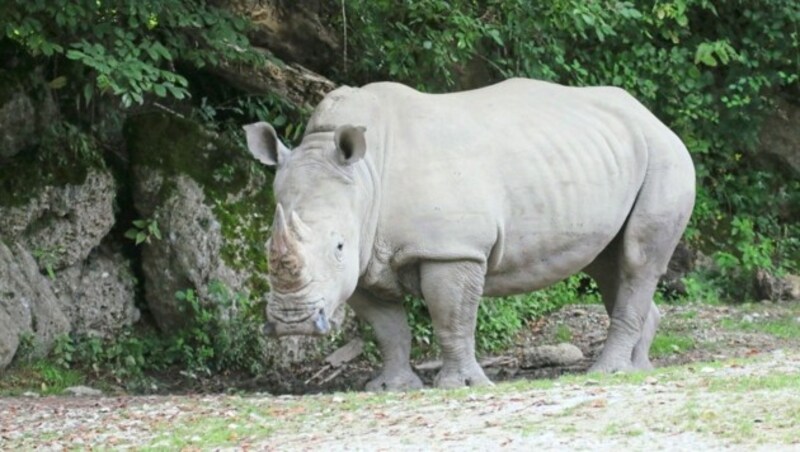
point(351, 143)
point(264, 144)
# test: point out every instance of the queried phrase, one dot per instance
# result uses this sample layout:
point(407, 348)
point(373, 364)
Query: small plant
point(224, 333)
point(143, 230)
point(48, 258)
point(26, 348)
point(670, 344)
point(224, 173)
point(63, 352)
point(500, 319)
point(563, 333)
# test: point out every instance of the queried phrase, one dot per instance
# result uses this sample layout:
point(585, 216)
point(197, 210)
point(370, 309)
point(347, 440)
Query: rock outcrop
point(28, 305)
point(25, 109)
point(53, 278)
point(213, 207)
point(780, 134)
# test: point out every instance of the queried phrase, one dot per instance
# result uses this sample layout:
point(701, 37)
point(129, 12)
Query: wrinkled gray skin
point(496, 191)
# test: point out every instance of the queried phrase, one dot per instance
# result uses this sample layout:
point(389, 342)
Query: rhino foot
point(458, 378)
point(397, 381)
point(611, 366)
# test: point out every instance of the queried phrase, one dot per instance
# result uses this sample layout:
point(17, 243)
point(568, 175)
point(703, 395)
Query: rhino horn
point(280, 234)
point(298, 227)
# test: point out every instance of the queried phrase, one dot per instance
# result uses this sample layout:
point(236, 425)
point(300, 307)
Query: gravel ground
point(752, 404)
point(736, 386)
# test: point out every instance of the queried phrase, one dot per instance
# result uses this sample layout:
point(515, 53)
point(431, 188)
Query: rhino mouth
point(306, 319)
point(295, 312)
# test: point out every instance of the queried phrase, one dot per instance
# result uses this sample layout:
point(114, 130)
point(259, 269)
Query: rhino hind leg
point(640, 358)
point(452, 291)
point(390, 324)
point(627, 273)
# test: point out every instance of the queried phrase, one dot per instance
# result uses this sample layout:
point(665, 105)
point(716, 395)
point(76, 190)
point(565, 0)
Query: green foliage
point(500, 319)
point(710, 70)
point(223, 336)
point(143, 230)
point(124, 48)
point(47, 258)
point(232, 109)
point(665, 344)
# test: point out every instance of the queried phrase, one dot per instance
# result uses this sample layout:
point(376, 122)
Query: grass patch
point(563, 334)
point(688, 315)
point(670, 344)
point(785, 328)
point(41, 377)
point(772, 382)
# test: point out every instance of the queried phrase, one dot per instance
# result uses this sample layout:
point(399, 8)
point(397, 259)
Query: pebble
point(83, 391)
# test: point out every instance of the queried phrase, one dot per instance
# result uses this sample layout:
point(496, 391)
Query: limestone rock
point(188, 256)
point(98, 294)
point(22, 115)
point(61, 225)
point(83, 391)
point(776, 288)
point(681, 263)
point(780, 134)
point(213, 206)
point(563, 354)
point(28, 304)
point(293, 83)
point(298, 31)
point(17, 124)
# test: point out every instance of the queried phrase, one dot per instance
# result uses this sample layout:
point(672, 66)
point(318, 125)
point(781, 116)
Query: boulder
point(780, 134)
point(62, 224)
point(681, 263)
point(213, 207)
point(26, 107)
point(98, 295)
point(17, 124)
point(776, 288)
point(297, 42)
point(563, 354)
point(292, 83)
point(299, 31)
point(53, 279)
point(28, 304)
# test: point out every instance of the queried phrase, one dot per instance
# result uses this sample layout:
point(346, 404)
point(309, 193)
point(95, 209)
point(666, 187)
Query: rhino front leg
point(452, 291)
point(390, 324)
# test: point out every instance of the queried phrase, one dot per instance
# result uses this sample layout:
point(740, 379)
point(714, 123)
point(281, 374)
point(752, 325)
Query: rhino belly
point(530, 264)
point(543, 243)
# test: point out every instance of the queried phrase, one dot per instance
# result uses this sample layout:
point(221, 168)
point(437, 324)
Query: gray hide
point(497, 191)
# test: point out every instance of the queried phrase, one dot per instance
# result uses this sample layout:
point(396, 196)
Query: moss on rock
point(54, 163)
point(238, 191)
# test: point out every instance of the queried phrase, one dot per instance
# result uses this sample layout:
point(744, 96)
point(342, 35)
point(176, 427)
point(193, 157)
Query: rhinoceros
point(450, 197)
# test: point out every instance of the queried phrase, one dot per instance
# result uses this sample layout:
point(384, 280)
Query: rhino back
point(533, 178)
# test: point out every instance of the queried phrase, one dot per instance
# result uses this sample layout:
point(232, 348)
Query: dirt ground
point(727, 377)
point(688, 333)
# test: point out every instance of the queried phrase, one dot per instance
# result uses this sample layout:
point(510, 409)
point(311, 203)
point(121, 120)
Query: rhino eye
point(340, 246)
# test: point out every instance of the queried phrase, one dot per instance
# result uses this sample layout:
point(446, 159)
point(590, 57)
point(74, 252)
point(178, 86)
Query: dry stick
point(344, 32)
point(319, 372)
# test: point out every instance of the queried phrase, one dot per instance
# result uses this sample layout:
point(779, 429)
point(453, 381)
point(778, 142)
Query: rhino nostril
point(321, 323)
point(268, 329)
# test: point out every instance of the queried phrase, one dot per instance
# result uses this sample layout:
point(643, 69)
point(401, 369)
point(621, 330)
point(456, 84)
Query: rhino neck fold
point(369, 181)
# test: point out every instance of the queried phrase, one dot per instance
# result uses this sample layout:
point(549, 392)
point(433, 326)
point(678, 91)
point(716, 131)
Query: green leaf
point(58, 82)
point(75, 55)
point(140, 237)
